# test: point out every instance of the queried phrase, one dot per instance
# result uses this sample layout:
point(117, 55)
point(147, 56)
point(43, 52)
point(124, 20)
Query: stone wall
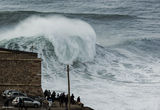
point(20, 71)
point(16, 55)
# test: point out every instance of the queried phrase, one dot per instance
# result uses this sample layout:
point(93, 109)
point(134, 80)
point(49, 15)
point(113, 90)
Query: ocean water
point(112, 47)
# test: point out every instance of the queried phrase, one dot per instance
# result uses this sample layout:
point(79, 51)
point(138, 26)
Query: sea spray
point(73, 39)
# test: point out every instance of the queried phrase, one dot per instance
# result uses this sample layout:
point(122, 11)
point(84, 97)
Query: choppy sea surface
point(112, 46)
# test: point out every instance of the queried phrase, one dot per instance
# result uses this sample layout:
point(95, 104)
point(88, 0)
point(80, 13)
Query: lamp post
point(68, 87)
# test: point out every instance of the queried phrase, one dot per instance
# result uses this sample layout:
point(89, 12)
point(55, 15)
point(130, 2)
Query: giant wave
point(73, 39)
point(126, 72)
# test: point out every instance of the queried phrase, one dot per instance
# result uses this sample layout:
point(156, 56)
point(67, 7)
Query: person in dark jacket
point(72, 99)
point(78, 100)
point(66, 100)
point(53, 95)
point(45, 93)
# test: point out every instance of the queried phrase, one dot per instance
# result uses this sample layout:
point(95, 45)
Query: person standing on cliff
point(78, 100)
point(53, 95)
point(66, 101)
point(72, 99)
point(49, 93)
point(45, 93)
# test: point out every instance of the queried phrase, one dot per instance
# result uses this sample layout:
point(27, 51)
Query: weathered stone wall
point(17, 55)
point(20, 72)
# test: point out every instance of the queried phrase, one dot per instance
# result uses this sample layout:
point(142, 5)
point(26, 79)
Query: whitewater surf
point(111, 45)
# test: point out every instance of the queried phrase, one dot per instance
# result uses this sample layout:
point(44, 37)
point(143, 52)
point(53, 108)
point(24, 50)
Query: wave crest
point(73, 39)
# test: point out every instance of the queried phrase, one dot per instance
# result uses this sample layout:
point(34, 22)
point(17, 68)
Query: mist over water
point(111, 45)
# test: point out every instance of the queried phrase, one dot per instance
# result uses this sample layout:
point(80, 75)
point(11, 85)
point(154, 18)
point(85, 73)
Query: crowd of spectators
point(62, 98)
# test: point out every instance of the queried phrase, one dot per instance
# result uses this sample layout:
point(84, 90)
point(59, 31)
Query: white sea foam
point(117, 79)
point(120, 78)
point(73, 39)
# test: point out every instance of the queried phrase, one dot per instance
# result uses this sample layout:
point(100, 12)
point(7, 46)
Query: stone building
point(21, 71)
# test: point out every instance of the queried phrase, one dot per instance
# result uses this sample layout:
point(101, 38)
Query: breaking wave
point(73, 39)
point(123, 69)
point(121, 76)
